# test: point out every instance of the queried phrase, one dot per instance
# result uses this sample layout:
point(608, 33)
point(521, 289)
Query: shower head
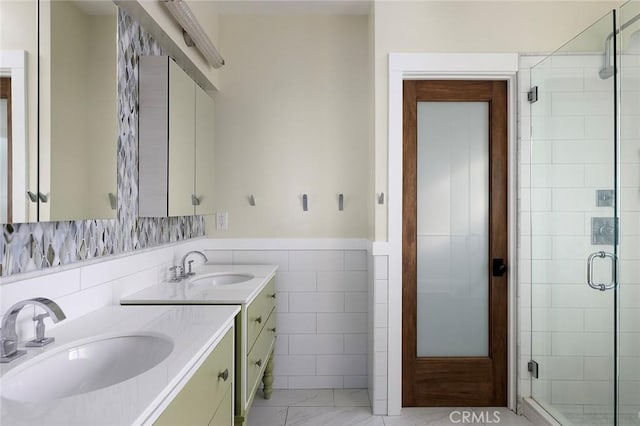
point(607, 69)
point(606, 72)
point(633, 47)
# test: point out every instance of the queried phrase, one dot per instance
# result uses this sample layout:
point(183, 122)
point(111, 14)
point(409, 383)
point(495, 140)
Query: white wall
point(467, 27)
point(293, 118)
point(378, 332)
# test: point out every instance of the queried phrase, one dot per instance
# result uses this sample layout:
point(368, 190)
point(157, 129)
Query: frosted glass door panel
point(453, 228)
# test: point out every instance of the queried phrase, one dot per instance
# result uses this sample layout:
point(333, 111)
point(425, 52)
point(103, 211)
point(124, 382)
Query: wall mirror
point(78, 110)
point(176, 141)
point(58, 126)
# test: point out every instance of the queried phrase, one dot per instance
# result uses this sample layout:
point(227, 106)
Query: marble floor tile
point(296, 398)
point(267, 416)
point(508, 417)
point(351, 398)
point(597, 420)
point(436, 416)
point(350, 407)
point(629, 420)
point(418, 416)
point(332, 416)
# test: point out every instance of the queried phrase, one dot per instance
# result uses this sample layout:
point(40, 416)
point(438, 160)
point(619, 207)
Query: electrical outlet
point(222, 221)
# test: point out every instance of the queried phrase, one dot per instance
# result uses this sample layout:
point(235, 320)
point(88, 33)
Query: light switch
point(222, 221)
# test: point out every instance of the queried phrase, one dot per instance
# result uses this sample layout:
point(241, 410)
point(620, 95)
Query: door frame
point(14, 64)
point(444, 66)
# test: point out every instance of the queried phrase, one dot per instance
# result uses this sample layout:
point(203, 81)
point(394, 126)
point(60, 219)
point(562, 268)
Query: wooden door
point(459, 380)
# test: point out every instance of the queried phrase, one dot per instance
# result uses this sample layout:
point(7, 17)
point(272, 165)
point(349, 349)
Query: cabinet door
point(224, 415)
point(259, 356)
point(202, 396)
point(204, 152)
point(181, 141)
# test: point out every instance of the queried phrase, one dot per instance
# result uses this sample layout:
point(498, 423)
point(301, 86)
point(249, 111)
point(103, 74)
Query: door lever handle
point(499, 267)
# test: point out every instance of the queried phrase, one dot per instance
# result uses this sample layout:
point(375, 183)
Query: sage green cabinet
point(255, 342)
point(207, 398)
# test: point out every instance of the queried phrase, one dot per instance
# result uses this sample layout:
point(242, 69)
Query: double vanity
point(193, 351)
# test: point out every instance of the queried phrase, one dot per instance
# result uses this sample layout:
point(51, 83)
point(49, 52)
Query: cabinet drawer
point(258, 357)
point(200, 397)
point(224, 415)
point(259, 310)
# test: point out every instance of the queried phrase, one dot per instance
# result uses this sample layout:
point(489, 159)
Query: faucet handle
point(40, 340)
point(190, 266)
point(9, 336)
point(174, 274)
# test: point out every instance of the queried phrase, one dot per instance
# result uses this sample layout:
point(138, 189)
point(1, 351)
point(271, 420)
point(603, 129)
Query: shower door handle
point(590, 260)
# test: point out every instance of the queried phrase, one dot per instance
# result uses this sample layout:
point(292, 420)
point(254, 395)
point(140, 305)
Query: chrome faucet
point(8, 335)
point(183, 262)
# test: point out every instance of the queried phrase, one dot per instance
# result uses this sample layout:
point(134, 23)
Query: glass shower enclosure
point(585, 225)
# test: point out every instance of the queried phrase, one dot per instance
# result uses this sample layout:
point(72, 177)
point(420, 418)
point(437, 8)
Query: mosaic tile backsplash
point(32, 246)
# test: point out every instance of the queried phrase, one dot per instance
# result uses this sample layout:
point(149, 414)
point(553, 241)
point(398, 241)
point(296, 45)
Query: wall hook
point(305, 203)
point(341, 202)
point(381, 198)
point(252, 200)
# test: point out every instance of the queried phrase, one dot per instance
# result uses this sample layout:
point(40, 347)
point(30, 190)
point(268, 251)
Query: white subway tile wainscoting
point(322, 298)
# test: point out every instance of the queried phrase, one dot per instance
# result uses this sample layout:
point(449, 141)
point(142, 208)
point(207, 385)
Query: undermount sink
point(225, 278)
point(82, 367)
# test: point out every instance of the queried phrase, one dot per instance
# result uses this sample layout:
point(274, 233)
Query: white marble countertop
point(195, 331)
point(186, 292)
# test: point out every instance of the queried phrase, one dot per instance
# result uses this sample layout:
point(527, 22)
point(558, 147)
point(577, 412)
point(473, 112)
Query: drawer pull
point(273, 330)
point(224, 375)
point(259, 363)
point(273, 296)
point(259, 319)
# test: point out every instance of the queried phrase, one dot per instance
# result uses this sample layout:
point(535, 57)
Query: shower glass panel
point(572, 223)
point(629, 202)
